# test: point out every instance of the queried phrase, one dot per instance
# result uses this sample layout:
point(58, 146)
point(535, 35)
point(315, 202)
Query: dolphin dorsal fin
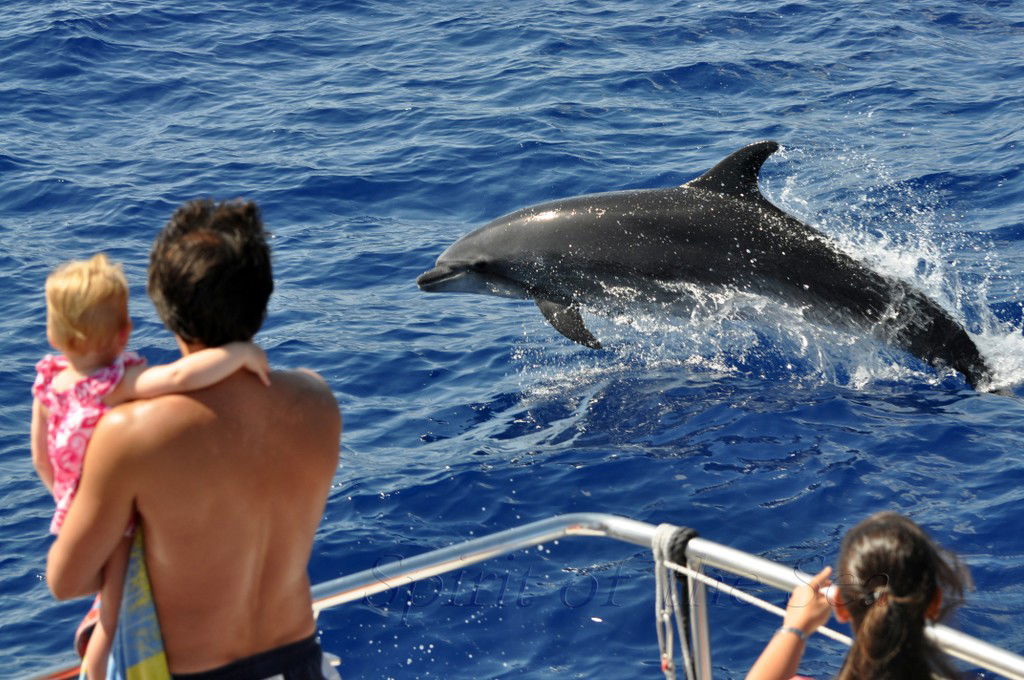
point(736, 175)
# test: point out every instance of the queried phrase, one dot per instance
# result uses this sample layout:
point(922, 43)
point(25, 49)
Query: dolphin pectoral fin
point(736, 174)
point(568, 322)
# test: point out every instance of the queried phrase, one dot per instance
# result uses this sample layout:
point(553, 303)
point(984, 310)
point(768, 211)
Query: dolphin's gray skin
point(717, 230)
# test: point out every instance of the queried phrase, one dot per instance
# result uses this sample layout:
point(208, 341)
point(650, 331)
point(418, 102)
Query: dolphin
point(717, 230)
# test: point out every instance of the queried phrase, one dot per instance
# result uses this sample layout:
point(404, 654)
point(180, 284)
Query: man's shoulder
point(154, 422)
point(134, 431)
point(302, 379)
point(302, 383)
point(145, 419)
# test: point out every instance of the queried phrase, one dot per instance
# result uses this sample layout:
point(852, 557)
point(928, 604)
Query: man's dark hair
point(209, 272)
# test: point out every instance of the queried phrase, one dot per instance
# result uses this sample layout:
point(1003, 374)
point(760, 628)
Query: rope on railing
point(669, 547)
point(749, 599)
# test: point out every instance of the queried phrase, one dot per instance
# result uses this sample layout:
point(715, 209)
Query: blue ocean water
point(375, 133)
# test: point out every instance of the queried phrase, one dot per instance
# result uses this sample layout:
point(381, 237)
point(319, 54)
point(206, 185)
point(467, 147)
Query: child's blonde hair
point(86, 304)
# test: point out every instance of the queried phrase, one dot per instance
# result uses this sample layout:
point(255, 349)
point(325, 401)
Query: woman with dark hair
point(892, 579)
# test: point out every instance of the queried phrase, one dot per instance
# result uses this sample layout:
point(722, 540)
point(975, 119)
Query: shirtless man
point(228, 484)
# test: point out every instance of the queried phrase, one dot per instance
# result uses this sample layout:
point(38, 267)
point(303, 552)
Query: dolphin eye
point(478, 266)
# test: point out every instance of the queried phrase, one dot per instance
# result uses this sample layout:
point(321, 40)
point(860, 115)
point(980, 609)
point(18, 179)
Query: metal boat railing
point(700, 553)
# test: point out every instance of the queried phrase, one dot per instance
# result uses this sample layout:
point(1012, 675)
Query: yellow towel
point(137, 652)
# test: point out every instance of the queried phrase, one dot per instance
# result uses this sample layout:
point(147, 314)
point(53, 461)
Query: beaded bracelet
point(794, 630)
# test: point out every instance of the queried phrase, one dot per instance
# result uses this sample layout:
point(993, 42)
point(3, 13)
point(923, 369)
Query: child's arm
point(195, 371)
point(40, 449)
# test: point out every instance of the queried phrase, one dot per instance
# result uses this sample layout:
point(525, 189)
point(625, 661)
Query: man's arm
point(100, 513)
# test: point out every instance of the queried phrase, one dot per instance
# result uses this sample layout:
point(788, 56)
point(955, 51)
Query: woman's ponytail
point(890, 574)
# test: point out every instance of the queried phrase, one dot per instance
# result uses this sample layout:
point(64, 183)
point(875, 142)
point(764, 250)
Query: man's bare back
point(230, 484)
point(221, 560)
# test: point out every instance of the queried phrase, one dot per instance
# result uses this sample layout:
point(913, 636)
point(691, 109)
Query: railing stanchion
point(699, 631)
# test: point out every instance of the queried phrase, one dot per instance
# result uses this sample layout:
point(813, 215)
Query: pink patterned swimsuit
point(74, 413)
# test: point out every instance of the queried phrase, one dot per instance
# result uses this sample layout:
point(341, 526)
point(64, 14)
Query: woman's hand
point(808, 608)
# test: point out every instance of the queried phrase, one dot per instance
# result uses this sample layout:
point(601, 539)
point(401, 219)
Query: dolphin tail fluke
point(736, 175)
point(568, 322)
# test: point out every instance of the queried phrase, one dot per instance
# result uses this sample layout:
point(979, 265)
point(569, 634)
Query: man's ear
point(185, 347)
point(934, 607)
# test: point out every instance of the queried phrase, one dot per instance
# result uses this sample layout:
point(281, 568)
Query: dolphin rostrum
point(716, 230)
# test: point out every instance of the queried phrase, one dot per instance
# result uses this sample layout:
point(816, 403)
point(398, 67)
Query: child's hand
point(808, 608)
point(253, 359)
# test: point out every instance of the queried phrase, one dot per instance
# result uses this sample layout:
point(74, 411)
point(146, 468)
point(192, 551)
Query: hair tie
point(875, 595)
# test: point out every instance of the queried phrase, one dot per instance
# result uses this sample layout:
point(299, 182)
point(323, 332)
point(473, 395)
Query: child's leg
point(95, 661)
